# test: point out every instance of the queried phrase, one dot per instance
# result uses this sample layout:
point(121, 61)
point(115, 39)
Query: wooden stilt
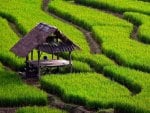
point(27, 66)
point(32, 55)
point(57, 59)
point(39, 69)
point(52, 56)
point(70, 61)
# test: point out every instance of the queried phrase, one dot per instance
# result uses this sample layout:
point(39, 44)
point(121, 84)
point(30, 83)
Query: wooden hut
point(48, 39)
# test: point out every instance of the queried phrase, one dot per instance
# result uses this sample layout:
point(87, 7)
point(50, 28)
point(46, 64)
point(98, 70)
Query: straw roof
point(37, 39)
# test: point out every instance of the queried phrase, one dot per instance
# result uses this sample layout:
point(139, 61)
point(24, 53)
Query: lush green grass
point(80, 67)
point(39, 110)
point(13, 92)
point(93, 90)
point(96, 61)
point(123, 6)
point(143, 21)
point(136, 80)
point(117, 45)
point(8, 39)
point(144, 34)
point(116, 32)
point(87, 17)
point(96, 91)
point(119, 5)
point(90, 89)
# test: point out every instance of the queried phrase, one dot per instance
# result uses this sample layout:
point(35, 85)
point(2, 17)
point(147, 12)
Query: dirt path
point(8, 110)
point(134, 34)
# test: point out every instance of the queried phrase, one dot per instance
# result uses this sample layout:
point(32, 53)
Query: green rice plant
point(83, 16)
point(137, 18)
point(90, 89)
point(118, 5)
point(96, 91)
point(77, 66)
point(13, 92)
point(117, 37)
point(81, 67)
point(8, 38)
point(96, 61)
point(143, 21)
point(116, 44)
point(36, 109)
point(144, 34)
point(136, 80)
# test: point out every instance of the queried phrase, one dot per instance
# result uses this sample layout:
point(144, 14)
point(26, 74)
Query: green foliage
point(119, 5)
point(117, 45)
point(86, 18)
point(81, 67)
point(144, 34)
point(144, 21)
point(90, 89)
point(13, 92)
point(96, 91)
point(137, 18)
point(136, 80)
point(115, 32)
point(39, 110)
point(96, 61)
point(8, 38)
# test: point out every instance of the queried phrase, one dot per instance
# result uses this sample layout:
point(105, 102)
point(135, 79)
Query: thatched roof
point(36, 39)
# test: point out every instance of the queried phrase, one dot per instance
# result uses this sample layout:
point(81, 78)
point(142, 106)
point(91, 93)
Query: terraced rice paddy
point(117, 77)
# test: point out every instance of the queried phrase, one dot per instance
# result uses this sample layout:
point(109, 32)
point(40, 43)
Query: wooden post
point(32, 55)
point(52, 56)
point(57, 59)
point(27, 65)
point(39, 69)
point(70, 61)
point(57, 56)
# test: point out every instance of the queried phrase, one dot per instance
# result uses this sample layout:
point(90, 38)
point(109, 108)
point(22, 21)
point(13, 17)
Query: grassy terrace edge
point(118, 6)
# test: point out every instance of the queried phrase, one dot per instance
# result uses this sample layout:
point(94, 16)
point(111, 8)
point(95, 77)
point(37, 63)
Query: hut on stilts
point(47, 39)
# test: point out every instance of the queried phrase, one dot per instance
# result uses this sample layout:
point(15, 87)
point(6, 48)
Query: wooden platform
point(50, 63)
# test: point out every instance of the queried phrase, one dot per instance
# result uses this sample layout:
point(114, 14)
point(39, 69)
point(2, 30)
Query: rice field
point(116, 78)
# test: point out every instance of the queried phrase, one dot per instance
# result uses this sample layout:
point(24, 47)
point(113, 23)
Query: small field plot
point(90, 89)
point(13, 92)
